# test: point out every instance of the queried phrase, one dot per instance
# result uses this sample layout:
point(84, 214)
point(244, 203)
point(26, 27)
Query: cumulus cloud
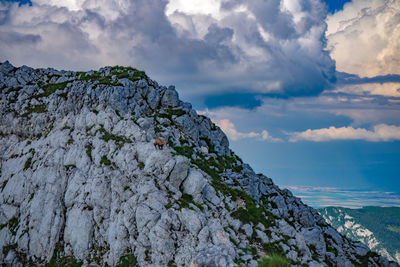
point(272, 47)
point(364, 37)
point(230, 130)
point(267, 137)
point(380, 132)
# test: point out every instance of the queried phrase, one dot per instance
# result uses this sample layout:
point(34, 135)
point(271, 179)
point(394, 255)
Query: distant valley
point(376, 227)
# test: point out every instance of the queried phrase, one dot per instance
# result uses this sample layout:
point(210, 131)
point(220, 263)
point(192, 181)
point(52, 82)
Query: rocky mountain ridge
point(83, 183)
point(369, 226)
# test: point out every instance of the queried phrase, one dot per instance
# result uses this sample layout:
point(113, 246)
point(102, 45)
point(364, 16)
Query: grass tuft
point(104, 160)
point(274, 260)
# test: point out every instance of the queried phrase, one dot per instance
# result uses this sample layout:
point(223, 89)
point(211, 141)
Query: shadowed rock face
point(81, 181)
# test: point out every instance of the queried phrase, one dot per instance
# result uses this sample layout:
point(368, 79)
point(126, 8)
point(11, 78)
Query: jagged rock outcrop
point(82, 181)
point(371, 226)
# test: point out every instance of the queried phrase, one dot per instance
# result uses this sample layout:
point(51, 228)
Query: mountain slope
point(377, 227)
point(83, 183)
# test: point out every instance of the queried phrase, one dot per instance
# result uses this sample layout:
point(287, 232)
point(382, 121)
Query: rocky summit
point(108, 168)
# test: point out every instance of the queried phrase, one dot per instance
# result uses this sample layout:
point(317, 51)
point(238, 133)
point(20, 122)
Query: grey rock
point(194, 184)
point(6, 67)
point(262, 236)
point(179, 172)
point(248, 230)
point(210, 195)
point(153, 98)
point(94, 185)
point(191, 221)
point(170, 98)
point(213, 257)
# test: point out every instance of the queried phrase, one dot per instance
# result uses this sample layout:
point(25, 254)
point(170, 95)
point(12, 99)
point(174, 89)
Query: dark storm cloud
point(241, 100)
point(268, 49)
point(347, 78)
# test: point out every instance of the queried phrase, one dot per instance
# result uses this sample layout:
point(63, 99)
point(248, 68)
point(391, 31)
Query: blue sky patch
point(335, 5)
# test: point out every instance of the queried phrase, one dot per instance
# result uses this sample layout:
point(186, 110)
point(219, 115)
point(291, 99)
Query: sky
point(307, 91)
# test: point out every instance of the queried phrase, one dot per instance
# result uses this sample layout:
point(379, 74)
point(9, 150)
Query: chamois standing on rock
point(159, 143)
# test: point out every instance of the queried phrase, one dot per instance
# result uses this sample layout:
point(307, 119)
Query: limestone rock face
point(82, 181)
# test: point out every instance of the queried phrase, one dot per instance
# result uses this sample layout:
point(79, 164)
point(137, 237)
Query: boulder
point(179, 172)
point(170, 99)
point(194, 184)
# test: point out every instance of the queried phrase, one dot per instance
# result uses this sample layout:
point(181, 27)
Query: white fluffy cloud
point(274, 47)
point(230, 130)
point(380, 132)
point(364, 37)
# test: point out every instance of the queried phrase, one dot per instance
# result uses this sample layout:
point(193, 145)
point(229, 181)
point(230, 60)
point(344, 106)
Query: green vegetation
point(211, 148)
point(384, 222)
point(171, 112)
point(128, 260)
point(274, 260)
point(265, 200)
point(3, 184)
point(119, 140)
point(57, 259)
point(70, 141)
point(186, 151)
point(252, 212)
point(129, 73)
point(108, 136)
point(28, 163)
point(64, 95)
point(363, 260)
point(12, 225)
point(273, 248)
point(89, 149)
point(328, 245)
point(186, 200)
point(88, 128)
point(96, 76)
point(13, 89)
point(140, 165)
point(88, 207)
point(41, 108)
point(50, 88)
point(104, 160)
point(157, 129)
point(313, 251)
point(9, 247)
point(119, 71)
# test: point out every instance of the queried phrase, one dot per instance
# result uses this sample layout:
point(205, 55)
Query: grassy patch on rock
point(128, 260)
point(274, 260)
point(41, 108)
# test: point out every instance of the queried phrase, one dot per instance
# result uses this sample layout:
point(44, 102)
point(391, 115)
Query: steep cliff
point(376, 227)
point(83, 183)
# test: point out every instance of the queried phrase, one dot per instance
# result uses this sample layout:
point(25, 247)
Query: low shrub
point(274, 260)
